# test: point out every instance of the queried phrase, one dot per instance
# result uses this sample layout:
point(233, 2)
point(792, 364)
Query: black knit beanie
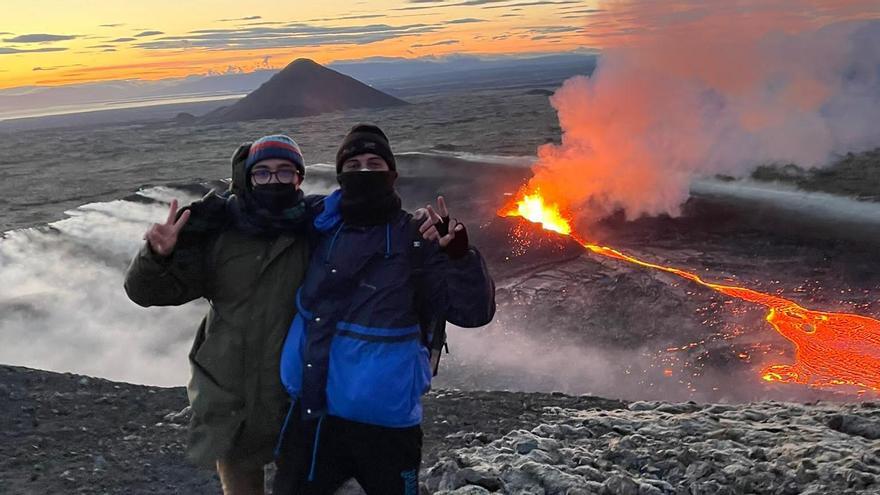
point(365, 138)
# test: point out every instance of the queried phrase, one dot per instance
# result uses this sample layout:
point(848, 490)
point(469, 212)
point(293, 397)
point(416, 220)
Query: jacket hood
point(239, 171)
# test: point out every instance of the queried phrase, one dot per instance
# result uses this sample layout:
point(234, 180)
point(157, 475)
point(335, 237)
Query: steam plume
point(697, 88)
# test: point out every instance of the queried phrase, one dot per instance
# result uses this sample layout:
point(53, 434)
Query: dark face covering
point(276, 198)
point(270, 210)
point(368, 198)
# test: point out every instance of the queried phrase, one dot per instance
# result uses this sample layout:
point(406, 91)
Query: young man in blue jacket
point(355, 361)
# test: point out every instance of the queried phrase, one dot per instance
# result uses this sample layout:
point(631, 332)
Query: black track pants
point(318, 456)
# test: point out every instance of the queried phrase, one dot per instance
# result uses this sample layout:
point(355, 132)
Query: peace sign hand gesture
point(163, 237)
point(437, 225)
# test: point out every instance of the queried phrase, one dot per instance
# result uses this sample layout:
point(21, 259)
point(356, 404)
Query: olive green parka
point(237, 399)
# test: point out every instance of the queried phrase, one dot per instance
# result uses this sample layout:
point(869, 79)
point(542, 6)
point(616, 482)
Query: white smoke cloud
point(697, 88)
point(63, 308)
point(521, 359)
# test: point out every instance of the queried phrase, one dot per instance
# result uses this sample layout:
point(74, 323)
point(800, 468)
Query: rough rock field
point(666, 448)
point(64, 433)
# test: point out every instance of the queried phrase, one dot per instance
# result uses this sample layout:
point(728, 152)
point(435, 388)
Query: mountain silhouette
point(303, 88)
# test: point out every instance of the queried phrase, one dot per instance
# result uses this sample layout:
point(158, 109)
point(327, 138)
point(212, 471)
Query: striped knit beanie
point(275, 146)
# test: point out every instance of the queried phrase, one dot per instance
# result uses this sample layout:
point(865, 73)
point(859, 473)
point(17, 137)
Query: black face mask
point(368, 198)
point(276, 197)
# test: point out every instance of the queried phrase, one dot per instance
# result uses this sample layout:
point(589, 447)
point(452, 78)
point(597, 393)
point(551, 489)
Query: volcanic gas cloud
point(703, 87)
point(696, 88)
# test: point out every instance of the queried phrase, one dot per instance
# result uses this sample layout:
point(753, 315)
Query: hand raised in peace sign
point(437, 225)
point(163, 237)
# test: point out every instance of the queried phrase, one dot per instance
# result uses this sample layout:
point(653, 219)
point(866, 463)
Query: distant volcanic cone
point(303, 88)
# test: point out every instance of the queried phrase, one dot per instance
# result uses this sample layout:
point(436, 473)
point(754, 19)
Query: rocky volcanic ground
point(658, 448)
point(64, 433)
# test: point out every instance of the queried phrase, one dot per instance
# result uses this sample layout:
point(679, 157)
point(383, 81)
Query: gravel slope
point(64, 433)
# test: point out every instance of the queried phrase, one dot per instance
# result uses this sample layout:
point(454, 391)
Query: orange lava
point(532, 207)
point(831, 349)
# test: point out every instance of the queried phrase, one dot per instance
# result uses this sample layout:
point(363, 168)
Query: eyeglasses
point(262, 176)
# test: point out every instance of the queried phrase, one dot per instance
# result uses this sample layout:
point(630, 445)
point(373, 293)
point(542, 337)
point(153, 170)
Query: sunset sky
point(54, 42)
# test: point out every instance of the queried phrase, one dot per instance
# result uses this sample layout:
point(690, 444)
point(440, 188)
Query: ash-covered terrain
point(568, 321)
point(63, 433)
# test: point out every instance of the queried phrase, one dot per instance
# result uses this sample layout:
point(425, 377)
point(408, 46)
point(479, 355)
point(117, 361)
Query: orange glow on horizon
point(104, 40)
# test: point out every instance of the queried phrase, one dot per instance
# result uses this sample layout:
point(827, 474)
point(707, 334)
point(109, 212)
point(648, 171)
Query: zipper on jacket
point(315, 450)
point(333, 242)
point(284, 429)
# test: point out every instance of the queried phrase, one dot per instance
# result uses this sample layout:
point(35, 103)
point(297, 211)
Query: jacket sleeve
point(153, 280)
point(461, 289)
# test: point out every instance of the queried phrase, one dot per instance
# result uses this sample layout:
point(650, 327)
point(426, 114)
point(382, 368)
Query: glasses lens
point(285, 175)
point(261, 176)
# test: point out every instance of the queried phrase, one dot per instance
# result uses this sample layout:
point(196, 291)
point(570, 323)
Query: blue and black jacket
point(355, 349)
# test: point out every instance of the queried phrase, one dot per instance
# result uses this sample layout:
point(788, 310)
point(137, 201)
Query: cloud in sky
point(544, 37)
point(457, 4)
point(438, 43)
point(328, 19)
point(55, 67)
point(40, 38)
point(582, 11)
point(354, 30)
point(578, 13)
point(553, 29)
point(534, 4)
point(248, 18)
point(12, 51)
point(286, 36)
point(487, 4)
point(571, 9)
point(265, 23)
point(478, 2)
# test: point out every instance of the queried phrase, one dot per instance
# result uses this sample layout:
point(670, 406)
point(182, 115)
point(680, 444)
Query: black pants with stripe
point(316, 457)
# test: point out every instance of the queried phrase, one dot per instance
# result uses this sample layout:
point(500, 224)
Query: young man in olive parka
point(246, 252)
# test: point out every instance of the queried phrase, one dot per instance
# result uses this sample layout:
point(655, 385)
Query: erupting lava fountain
point(831, 349)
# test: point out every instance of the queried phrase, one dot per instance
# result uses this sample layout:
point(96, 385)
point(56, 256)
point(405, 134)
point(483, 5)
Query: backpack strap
point(432, 326)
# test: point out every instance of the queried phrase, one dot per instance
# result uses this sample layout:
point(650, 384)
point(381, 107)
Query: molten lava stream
point(831, 349)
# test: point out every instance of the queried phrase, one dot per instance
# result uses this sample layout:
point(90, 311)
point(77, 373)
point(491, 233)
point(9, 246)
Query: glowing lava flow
point(533, 209)
point(831, 349)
